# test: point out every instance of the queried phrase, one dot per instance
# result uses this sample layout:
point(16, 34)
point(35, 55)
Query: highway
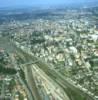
point(73, 92)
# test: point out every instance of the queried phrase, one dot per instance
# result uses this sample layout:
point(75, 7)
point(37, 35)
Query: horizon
point(42, 3)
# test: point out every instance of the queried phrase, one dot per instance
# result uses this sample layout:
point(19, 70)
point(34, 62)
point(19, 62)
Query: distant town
point(49, 54)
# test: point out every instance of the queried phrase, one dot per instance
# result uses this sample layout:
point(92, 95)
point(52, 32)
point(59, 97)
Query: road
point(73, 92)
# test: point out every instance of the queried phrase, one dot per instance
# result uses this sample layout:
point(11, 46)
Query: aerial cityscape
point(49, 52)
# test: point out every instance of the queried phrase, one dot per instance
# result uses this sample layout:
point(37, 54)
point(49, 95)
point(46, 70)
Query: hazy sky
point(10, 3)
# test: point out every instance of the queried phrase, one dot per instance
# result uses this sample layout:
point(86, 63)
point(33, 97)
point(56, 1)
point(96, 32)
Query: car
point(90, 93)
point(79, 86)
point(85, 90)
point(96, 97)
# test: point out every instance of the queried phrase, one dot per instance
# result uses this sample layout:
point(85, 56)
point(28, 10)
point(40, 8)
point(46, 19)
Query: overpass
point(73, 92)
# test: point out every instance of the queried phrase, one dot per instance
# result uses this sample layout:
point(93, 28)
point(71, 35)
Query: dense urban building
point(49, 54)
